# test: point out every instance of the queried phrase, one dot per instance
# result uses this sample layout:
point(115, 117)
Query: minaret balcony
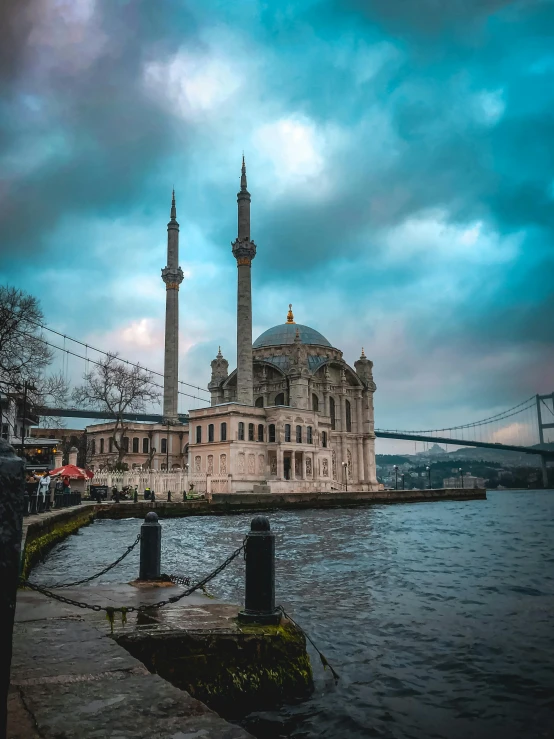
point(244, 249)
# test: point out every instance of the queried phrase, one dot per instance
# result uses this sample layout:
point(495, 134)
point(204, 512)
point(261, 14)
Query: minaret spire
point(172, 275)
point(244, 251)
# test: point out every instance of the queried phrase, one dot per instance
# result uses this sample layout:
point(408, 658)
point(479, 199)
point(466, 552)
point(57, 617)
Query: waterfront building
point(468, 481)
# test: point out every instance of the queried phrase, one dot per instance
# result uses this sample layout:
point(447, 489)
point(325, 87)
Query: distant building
point(469, 481)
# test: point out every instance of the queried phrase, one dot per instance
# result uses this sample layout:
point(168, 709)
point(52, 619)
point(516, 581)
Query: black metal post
point(135, 496)
point(403, 481)
point(12, 488)
point(429, 476)
point(169, 496)
point(150, 547)
point(396, 475)
point(259, 597)
point(24, 414)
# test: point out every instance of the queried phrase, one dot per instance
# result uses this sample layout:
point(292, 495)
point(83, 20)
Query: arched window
point(259, 402)
point(164, 446)
point(111, 444)
point(93, 447)
point(332, 412)
point(250, 432)
point(223, 432)
point(135, 445)
point(315, 402)
point(211, 432)
point(101, 446)
point(324, 438)
point(260, 432)
point(299, 434)
point(145, 445)
point(348, 415)
point(280, 399)
point(241, 431)
point(287, 431)
point(199, 434)
point(309, 437)
point(271, 432)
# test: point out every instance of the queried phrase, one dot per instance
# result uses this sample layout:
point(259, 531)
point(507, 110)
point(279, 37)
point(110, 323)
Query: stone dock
point(70, 679)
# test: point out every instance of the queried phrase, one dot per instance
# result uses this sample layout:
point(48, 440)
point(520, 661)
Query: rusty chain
point(102, 572)
point(130, 609)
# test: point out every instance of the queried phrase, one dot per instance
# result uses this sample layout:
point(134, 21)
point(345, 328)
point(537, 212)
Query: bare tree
point(23, 352)
point(117, 389)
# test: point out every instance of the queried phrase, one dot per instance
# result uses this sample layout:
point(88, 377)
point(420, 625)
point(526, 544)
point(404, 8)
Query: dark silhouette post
point(259, 597)
point(150, 547)
point(12, 488)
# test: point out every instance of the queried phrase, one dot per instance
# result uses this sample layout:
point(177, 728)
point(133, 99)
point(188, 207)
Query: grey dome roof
point(285, 333)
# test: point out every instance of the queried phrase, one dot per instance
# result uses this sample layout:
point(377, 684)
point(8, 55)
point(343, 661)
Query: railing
point(161, 482)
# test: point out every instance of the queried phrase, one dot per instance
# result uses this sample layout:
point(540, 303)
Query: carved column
point(280, 464)
point(361, 476)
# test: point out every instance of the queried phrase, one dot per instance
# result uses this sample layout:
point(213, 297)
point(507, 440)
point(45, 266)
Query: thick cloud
point(399, 158)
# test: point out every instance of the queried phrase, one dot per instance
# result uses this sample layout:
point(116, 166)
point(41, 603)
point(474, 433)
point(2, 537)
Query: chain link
point(102, 572)
point(146, 607)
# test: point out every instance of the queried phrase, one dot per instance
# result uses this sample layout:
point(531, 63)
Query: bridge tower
point(543, 426)
point(172, 275)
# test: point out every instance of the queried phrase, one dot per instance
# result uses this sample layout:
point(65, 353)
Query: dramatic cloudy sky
point(400, 157)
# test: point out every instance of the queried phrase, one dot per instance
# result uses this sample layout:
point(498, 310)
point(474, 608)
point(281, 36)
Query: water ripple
point(438, 616)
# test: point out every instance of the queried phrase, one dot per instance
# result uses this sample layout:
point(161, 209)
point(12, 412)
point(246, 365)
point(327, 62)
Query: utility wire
point(101, 351)
point(98, 364)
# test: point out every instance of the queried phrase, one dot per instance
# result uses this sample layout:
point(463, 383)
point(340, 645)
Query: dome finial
point(363, 353)
point(290, 316)
point(219, 354)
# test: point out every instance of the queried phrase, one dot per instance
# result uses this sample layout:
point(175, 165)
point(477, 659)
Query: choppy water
point(439, 617)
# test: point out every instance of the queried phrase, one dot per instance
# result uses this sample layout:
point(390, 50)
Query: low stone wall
point(222, 504)
point(42, 532)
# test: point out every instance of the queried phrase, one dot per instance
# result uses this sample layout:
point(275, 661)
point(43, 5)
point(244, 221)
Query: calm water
point(439, 617)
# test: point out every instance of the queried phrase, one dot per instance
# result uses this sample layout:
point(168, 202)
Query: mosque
point(292, 417)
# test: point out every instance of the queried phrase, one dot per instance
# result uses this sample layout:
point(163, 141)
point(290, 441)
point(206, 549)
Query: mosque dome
point(286, 334)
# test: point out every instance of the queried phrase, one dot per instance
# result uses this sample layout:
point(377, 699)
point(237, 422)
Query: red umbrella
point(73, 472)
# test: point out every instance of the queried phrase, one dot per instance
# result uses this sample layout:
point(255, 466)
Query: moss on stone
point(233, 672)
point(39, 542)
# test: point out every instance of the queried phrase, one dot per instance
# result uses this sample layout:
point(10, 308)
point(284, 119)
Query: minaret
point(244, 251)
point(172, 275)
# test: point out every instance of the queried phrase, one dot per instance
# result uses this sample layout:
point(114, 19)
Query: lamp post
point(461, 476)
point(345, 474)
point(428, 476)
point(396, 475)
point(403, 488)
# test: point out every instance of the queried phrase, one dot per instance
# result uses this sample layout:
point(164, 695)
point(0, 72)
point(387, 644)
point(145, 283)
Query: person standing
point(44, 489)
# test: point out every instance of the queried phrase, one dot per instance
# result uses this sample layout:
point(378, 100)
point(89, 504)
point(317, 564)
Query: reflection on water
point(437, 616)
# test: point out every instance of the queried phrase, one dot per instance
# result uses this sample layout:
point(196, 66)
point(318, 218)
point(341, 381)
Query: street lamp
point(429, 476)
point(403, 488)
point(396, 475)
point(345, 474)
point(461, 476)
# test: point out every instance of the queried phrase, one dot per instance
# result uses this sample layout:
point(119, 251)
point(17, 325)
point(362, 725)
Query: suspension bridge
point(520, 428)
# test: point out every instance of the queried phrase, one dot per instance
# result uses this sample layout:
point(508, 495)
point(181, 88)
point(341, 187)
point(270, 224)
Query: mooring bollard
point(150, 547)
point(12, 487)
point(259, 597)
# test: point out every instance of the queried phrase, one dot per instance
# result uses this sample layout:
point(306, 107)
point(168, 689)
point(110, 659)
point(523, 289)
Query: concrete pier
point(70, 679)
